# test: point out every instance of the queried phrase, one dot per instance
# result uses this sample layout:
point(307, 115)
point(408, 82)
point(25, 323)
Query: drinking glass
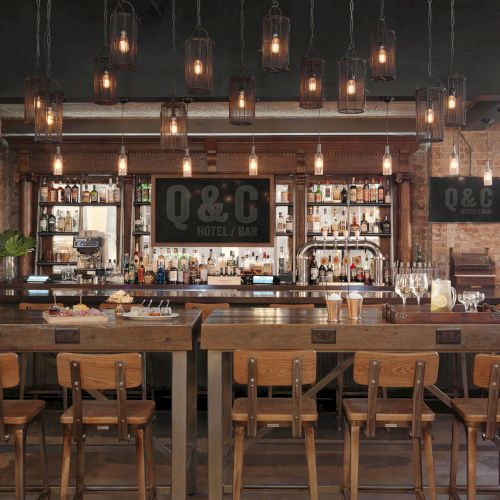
point(419, 285)
point(462, 298)
point(402, 286)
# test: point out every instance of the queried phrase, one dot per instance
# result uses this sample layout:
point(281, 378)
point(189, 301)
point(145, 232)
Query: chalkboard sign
point(464, 199)
point(235, 211)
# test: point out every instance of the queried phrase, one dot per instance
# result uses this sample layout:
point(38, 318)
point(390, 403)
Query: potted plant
point(13, 244)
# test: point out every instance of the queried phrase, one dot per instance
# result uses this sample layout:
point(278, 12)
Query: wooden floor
point(271, 460)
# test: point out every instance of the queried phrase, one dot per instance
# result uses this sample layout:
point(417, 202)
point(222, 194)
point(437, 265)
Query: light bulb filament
point(106, 80)
point(174, 127)
point(312, 83)
point(187, 169)
point(123, 45)
point(198, 67)
point(452, 100)
point(241, 99)
point(382, 54)
point(50, 116)
point(351, 86)
point(429, 114)
point(275, 44)
point(253, 163)
point(387, 162)
point(38, 102)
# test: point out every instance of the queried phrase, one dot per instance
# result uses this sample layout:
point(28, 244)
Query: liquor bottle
point(353, 192)
point(168, 263)
point(117, 192)
point(126, 269)
point(74, 192)
point(280, 224)
point(102, 194)
point(281, 262)
point(60, 194)
point(138, 190)
point(183, 264)
point(335, 221)
point(289, 223)
point(257, 265)
point(146, 191)
point(94, 196)
point(194, 266)
point(380, 193)
point(343, 222)
point(60, 222)
point(267, 265)
point(310, 220)
point(354, 225)
point(363, 226)
point(140, 272)
point(329, 270)
point(44, 191)
point(386, 226)
point(108, 272)
point(161, 260)
point(373, 192)
point(221, 265)
point(53, 193)
point(68, 222)
point(44, 221)
point(328, 192)
point(145, 255)
point(149, 276)
point(359, 192)
point(231, 264)
point(67, 192)
point(353, 271)
point(160, 274)
point(86, 194)
point(376, 225)
point(419, 257)
point(317, 221)
point(318, 195)
point(211, 264)
point(360, 273)
point(203, 270)
point(52, 223)
point(322, 269)
point(337, 264)
point(366, 191)
point(137, 256)
point(109, 191)
point(313, 271)
point(344, 195)
point(387, 198)
point(285, 195)
point(325, 226)
point(310, 194)
point(336, 194)
point(343, 271)
point(367, 273)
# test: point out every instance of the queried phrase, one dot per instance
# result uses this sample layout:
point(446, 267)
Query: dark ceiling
point(77, 32)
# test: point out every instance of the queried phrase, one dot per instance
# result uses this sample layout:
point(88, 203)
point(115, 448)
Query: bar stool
point(476, 414)
point(105, 371)
point(277, 368)
point(379, 369)
point(15, 418)
point(206, 308)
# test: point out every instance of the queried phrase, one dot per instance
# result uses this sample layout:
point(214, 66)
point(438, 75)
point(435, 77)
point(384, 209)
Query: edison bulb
point(38, 102)
point(387, 162)
point(123, 45)
point(382, 54)
point(253, 163)
point(351, 86)
point(198, 67)
point(312, 83)
point(453, 166)
point(106, 80)
point(452, 101)
point(318, 161)
point(487, 175)
point(122, 162)
point(57, 165)
point(50, 116)
point(241, 99)
point(429, 115)
point(174, 127)
point(187, 168)
point(275, 44)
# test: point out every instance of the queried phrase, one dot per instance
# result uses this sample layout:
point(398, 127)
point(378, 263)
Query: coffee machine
point(89, 258)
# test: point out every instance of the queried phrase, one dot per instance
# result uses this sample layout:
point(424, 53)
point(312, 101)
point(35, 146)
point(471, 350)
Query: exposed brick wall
point(9, 209)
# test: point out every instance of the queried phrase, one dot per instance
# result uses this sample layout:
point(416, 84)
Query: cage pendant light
point(383, 50)
point(122, 169)
point(275, 40)
point(456, 99)
point(198, 59)
point(352, 76)
point(105, 78)
point(49, 99)
point(173, 114)
point(123, 36)
point(31, 82)
point(242, 86)
point(312, 73)
point(387, 158)
point(430, 100)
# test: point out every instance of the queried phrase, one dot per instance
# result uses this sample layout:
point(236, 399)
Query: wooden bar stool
point(15, 418)
point(206, 308)
point(379, 369)
point(476, 414)
point(277, 368)
point(105, 371)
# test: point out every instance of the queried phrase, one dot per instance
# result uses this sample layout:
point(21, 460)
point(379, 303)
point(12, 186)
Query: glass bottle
point(380, 192)
point(116, 192)
point(94, 196)
point(74, 192)
point(149, 276)
point(140, 272)
point(310, 194)
point(138, 190)
point(281, 262)
point(318, 195)
point(203, 270)
point(373, 192)
point(44, 221)
point(68, 222)
point(328, 192)
point(60, 194)
point(344, 195)
point(86, 194)
point(280, 224)
point(173, 273)
point(67, 192)
point(313, 271)
point(211, 264)
point(52, 223)
point(386, 226)
point(387, 197)
point(44, 191)
point(353, 192)
point(363, 226)
point(289, 223)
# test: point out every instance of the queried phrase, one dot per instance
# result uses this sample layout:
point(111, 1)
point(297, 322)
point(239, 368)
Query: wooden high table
point(227, 330)
point(27, 332)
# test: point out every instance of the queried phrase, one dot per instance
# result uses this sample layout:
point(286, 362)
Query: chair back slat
point(9, 369)
point(274, 368)
point(98, 371)
point(206, 308)
point(492, 409)
point(292, 306)
point(482, 369)
point(395, 369)
point(37, 306)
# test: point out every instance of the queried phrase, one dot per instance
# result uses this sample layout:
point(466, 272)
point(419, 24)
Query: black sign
point(207, 211)
point(464, 199)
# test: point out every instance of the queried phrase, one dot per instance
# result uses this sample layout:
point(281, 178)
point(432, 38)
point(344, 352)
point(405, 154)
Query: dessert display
point(120, 297)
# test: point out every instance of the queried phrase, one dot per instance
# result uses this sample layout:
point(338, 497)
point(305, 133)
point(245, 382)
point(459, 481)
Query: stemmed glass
point(419, 285)
point(463, 299)
point(402, 286)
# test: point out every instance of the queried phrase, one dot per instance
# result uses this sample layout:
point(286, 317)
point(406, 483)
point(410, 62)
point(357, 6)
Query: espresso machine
point(89, 258)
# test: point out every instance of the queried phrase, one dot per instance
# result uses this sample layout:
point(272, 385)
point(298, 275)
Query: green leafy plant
point(15, 244)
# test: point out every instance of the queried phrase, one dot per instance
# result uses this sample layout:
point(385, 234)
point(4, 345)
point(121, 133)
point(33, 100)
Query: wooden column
point(403, 207)
point(26, 262)
point(300, 200)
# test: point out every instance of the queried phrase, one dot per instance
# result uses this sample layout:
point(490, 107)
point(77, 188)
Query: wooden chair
point(292, 306)
point(206, 309)
point(105, 371)
point(378, 369)
point(15, 418)
point(476, 414)
point(276, 368)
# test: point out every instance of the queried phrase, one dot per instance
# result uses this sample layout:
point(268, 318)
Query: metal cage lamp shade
point(123, 36)
point(456, 101)
point(30, 102)
point(352, 85)
point(105, 81)
point(383, 54)
point(198, 63)
point(242, 100)
point(173, 125)
point(275, 40)
point(49, 112)
point(312, 72)
point(430, 114)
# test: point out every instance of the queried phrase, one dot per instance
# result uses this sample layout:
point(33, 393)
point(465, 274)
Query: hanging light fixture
point(122, 156)
point(198, 59)
point(383, 50)
point(312, 73)
point(31, 82)
point(456, 100)
point(352, 76)
point(173, 114)
point(430, 100)
point(123, 36)
point(318, 157)
point(187, 166)
point(275, 40)
point(488, 172)
point(253, 161)
point(454, 158)
point(387, 158)
point(48, 98)
point(105, 80)
point(57, 162)
point(242, 86)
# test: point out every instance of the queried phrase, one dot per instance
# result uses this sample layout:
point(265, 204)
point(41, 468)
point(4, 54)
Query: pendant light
point(173, 114)
point(454, 158)
point(488, 172)
point(275, 40)
point(122, 156)
point(31, 82)
point(198, 59)
point(430, 100)
point(49, 98)
point(318, 157)
point(312, 73)
point(187, 166)
point(253, 161)
point(242, 86)
point(123, 36)
point(456, 100)
point(387, 158)
point(57, 162)
point(383, 50)
point(105, 80)
point(352, 76)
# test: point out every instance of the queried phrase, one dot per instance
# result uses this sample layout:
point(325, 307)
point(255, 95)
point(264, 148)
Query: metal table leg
point(192, 427)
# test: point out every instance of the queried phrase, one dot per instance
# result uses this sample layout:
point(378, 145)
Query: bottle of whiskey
point(52, 223)
point(53, 193)
point(289, 223)
point(328, 192)
point(203, 270)
point(317, 221)
point(373, 192)
point(68, 222)
point(173, 274)
point(387, 192)
point(67, 192)
point(313, 271)
point(210, 264)
point(366, 191)
point(363, 226)
point(309, 220)
point(60, 194)
point(138, 190)
point(354, 225)
point(94, 196)
point(380, 193)
point(353, 192)
point(280, 224)
point(132, 272)
point(359, 192)
point(318, 195)
point(44, 221)
point(74, 192)
point(336, 194)
point(86, 194)
point(386, 226)
point(344, 195)
point(60, 222)
point(44, 191)
point(310, 194)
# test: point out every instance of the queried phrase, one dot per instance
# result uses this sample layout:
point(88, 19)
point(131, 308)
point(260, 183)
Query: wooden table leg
point(471, 462)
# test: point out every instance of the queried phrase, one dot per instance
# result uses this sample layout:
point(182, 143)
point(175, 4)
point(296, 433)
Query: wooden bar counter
point(227, 330)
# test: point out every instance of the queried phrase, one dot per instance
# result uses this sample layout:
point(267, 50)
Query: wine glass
point(419, 285)
point(462, 298)
point(402, 286)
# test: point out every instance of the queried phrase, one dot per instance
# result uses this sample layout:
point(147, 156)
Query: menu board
point(464, 199)
point(206, 211)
